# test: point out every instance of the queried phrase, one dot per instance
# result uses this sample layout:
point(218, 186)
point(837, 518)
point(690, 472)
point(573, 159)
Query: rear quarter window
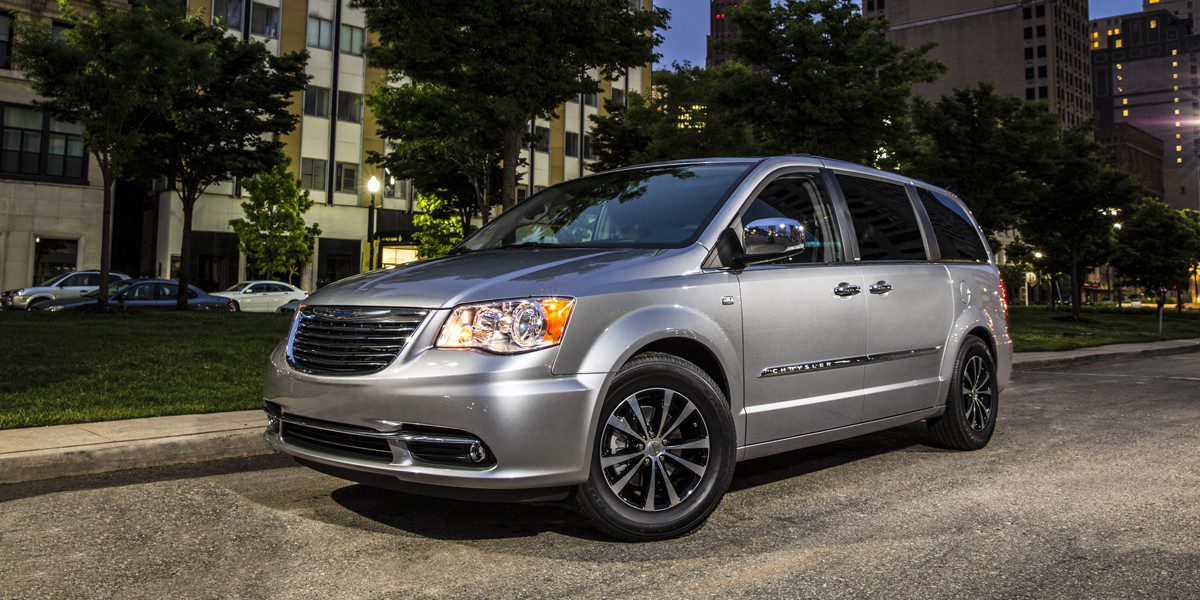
point(957, 238)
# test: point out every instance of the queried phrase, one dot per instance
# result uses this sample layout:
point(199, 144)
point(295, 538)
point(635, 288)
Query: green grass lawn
point(1037, 329)
point(65, 368)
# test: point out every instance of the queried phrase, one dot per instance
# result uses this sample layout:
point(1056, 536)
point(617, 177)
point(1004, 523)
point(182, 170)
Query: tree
point(438, 226)
point(1157, 247)
point(683, 119)
point(825, 79)
point(518, 60)
point(442, 143)
point(1073, 222)
point(226, 121)
point(111, 73)
point(273, 233)
point(995, 152)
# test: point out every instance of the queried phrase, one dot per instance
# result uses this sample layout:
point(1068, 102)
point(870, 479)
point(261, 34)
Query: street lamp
point(373, 187)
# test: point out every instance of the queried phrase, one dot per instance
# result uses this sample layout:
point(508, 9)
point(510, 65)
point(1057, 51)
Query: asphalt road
point(1091, 488)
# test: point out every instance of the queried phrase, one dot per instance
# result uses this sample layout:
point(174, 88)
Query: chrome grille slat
point(334, 340)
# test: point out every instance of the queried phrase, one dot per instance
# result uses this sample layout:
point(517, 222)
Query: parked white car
point(261, 296)
point(59, 287)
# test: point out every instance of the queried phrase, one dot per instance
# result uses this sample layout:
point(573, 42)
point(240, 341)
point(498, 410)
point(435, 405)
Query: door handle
point(845, 289)
point(882, 287)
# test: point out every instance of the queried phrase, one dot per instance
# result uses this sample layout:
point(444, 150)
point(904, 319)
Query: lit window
point(1174, 63)
point(1117, 31)
point(1125, 113)
point(1179, 148)
point(1124, 100)
point(1177, 123)
point(1109, 32)
point(1118, 44)
point(1176, 99)
point(1174, 52)
point(1095, 34)
point(1175, 76)
point(1179, 161)
point(1177, 111)
point(1095, 44)
point(1153, 23)
point(1120, 66)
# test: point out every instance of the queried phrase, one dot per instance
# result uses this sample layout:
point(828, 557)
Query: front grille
point(329, 340)
point(340, 442)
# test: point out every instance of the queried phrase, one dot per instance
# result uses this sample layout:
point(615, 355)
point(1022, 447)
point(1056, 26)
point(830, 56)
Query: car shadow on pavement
point(460, 520)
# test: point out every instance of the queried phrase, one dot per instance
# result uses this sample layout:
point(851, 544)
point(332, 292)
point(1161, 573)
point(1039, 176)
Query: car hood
point(498, 274)
point(225, 294)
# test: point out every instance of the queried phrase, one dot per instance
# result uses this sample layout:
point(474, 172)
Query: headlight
point(20, 292)
point(508, 326)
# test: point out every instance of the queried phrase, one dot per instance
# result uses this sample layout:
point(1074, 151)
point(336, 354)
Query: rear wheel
point(234, 306)
point(664, 451)
point(970, 417)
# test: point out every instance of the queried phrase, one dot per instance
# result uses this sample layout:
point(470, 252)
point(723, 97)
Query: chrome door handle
point(845, 289)
point(882, 287)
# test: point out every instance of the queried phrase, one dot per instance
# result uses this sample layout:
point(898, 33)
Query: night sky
point(685, 40)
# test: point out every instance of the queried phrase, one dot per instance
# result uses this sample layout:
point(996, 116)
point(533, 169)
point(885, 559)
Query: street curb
point(19, 467)
point(1100, 357)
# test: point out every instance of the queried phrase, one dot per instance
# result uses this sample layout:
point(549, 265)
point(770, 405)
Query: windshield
point(653, 207)
point(113, 288)
point(55, 279)
point(237, 287)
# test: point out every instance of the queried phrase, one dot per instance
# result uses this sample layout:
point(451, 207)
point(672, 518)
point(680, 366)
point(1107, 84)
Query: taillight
point(1003, 298)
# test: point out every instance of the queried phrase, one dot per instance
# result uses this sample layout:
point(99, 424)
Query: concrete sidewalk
point(68, 450)
point(1041, 360)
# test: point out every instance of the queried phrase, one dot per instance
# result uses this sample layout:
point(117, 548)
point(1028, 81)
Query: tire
point(234, 306)
point(615, 497)
point(973, 400)
point(32, 306)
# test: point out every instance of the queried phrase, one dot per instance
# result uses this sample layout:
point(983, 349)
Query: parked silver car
point(64, 285)
point(625, 338)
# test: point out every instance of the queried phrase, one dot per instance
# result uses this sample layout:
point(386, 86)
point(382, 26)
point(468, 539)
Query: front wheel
point(970, 417)
point(664, 451)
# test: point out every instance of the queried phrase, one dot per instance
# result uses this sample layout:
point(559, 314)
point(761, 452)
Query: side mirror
point(772, 239)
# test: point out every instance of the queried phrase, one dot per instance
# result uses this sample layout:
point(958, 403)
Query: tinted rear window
point(957, 238)
point(884, 221)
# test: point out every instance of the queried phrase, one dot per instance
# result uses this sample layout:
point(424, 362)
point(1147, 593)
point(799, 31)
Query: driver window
point(140, 292)
point(800, 197)
point(73, 281)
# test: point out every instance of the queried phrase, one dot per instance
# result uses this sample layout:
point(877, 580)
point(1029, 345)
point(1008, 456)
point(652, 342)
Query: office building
point(1135, 151)
point(721, 30)
point(1032, 49)
point(1145, 71)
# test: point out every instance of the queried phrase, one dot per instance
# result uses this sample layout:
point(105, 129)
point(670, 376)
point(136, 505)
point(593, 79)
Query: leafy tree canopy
point(1157, 246)
point(518, 59)
point(273, 233)
point(996, 152)
point(825, 79)
point(438, 225)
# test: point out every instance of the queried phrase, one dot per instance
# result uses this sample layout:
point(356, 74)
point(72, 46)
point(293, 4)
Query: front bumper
point(14, 302)
point(537, 426)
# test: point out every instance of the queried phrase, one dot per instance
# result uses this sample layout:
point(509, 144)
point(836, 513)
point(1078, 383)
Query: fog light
point(478, 453)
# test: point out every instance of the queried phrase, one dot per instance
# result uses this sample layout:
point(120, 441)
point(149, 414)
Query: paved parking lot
point(1091, 488)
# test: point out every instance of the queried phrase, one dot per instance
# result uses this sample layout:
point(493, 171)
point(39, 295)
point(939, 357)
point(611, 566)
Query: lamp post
point(373, 187)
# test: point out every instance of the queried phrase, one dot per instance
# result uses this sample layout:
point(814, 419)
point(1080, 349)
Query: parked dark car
point(141, 294)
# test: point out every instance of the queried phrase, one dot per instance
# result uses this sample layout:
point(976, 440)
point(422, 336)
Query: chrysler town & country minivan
point(626, 338)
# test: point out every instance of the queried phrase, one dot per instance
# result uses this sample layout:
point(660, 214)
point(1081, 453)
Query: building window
point(1029, 53)
point(1029, 33)
point(53, 256)
point(228, 13)
point(618, 97)
point(1041, 51)
point(1041, 10)
point(572, 143)
point(351, 41)
point(1042, 71)
point(347, 178)
point(65, 155)
point(316, 101)
point(1153, 23)
point(541, 139)
point(312, 173)
point(591, 99)
point(1030, 94)
point(58, 31)
point(1028, 73)
point(1125, 113)
point(1043, 92)
point(22, 151)
point(1041, 31)
point(587, 147)
point(6, 33)
point(1117, 44)
point(320, 33)
point(264, 20)
point(349, 107)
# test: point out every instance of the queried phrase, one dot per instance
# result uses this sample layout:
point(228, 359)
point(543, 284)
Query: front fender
point(599, 347)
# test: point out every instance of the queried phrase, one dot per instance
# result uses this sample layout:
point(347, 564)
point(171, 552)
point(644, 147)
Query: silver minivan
point(625, 338)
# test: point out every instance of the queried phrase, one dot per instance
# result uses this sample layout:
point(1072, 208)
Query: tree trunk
point(1179, 299)
point(185, 254)
point(513, 135)
point(1076, 288)
point(105, 240)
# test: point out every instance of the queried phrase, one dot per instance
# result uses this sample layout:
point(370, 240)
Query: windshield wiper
point(459, 250)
